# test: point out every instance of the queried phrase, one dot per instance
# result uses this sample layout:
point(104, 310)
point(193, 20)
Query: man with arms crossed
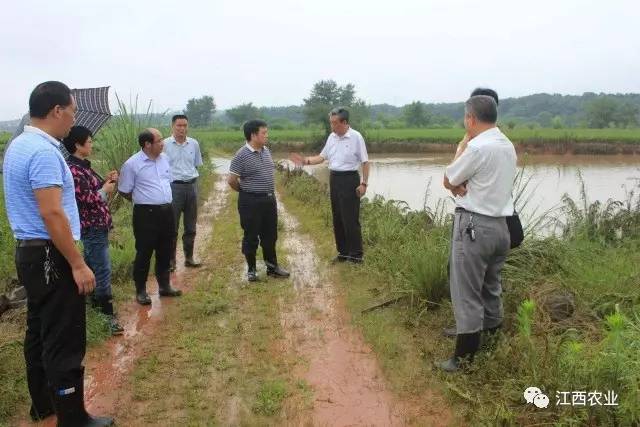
point(482, 178)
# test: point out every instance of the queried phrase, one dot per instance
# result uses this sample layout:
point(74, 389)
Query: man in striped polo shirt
point(252, 174)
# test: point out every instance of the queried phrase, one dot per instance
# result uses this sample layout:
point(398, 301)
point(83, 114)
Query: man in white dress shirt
point(345, 151)
point(481, 177)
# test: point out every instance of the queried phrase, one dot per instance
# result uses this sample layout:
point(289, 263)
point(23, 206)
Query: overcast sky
point(271, 52)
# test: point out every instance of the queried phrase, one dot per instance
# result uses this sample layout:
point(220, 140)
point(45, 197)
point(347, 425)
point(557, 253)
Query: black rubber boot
point(189, 261)
point(106, 307)
point(164, 286)
point(466, 347)
point(70, 411)
point(142, 297)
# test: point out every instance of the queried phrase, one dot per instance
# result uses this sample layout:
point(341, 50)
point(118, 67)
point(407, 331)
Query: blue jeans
point(96, 255)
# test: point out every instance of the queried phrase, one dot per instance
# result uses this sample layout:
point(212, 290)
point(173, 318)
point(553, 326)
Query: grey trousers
point(475, 271)
point(185, 200)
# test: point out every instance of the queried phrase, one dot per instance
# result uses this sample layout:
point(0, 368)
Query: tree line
point(589, 110)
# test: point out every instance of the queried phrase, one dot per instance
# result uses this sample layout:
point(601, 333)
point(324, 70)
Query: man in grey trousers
point(481, 177)
point(185, 157)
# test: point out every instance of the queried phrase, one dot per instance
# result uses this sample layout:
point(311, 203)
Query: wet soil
point(348, 385)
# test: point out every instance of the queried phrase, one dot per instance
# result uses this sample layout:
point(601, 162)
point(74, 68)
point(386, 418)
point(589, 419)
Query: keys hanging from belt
point(50, 272)
point(470, 230)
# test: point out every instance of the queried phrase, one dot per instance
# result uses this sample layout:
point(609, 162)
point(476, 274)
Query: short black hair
point(144, 137)
point(77, 135)
point(486, 91)
point(46, 96)
point(483, 108)
point(178, 117)
point(253, 126)
point(342, 113)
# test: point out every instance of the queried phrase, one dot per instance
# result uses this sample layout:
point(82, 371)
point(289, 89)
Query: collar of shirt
point(253, 150)
point(346, 135)
point(489, 133)
point(172, 139)
point(79, 162)
point(33, 129)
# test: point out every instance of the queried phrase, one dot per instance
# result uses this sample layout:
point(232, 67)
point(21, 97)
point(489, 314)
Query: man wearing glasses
point(145, 179)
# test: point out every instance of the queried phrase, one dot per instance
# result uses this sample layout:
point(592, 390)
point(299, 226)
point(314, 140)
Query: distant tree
point(243, 112)
point(627, 115)
point(511, 124)
point(544, 118)
point(200, 111)
point(601, 112)
point(557, 122)
point(326, 95)
point(417, 114)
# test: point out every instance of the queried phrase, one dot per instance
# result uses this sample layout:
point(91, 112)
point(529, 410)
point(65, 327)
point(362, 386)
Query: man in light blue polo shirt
point(185, 157)
point(42, 211)
point(145, 179)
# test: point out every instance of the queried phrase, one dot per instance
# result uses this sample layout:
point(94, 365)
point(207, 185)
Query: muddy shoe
point(170, 292)
point(143, 298)
point(277, 272)
point(339, 258)
point(252, 276)
point(98, 421)
point(450, 365)
point(192, 263)
point(115, 327)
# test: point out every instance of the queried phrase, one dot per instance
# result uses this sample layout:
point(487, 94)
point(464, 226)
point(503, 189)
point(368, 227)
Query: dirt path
point(108, 366)
point(349, 388)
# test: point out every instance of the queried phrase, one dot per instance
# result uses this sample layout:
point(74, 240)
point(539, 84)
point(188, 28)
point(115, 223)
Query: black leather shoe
point(191, 263)
point(169, 292)
point(355, 260)
point(143, 298)
point(278, 272)
point(252, 276)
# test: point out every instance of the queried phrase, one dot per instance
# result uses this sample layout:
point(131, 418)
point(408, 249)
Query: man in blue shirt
point(145, 179)
point(185, 157)
point(42, 211)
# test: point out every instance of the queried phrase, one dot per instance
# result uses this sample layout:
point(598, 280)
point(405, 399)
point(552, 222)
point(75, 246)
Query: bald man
point(145, 179)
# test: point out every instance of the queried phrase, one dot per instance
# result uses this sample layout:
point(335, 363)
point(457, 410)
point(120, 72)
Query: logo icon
point(533, 395)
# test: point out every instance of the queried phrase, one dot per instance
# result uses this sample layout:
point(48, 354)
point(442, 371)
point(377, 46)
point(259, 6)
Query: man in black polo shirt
point(252, 174)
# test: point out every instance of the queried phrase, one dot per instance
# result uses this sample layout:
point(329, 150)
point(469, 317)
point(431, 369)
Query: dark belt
point(163, 206)
point(33, 243)
point(257, 194)
point(461, 210)
point(343, 173)
point(190, 181)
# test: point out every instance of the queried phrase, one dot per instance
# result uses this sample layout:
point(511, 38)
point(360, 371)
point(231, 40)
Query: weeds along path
point(342, 370)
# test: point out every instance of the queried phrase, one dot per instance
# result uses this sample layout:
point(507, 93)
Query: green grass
point(594, 349)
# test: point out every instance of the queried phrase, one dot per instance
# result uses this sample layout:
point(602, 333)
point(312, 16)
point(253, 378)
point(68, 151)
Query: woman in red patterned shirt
point(92, 193)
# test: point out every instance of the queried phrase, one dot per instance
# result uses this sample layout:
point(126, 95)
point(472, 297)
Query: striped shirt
point(32, 162)
point(255, 169)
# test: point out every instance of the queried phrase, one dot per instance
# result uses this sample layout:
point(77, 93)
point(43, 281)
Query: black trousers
point(185, 201)
point(259, 221)
point(55, 341)
point(153, 229)
point(345, 207)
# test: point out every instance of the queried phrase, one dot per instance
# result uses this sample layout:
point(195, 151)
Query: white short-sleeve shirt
point(346, 152)
point(488, 165)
